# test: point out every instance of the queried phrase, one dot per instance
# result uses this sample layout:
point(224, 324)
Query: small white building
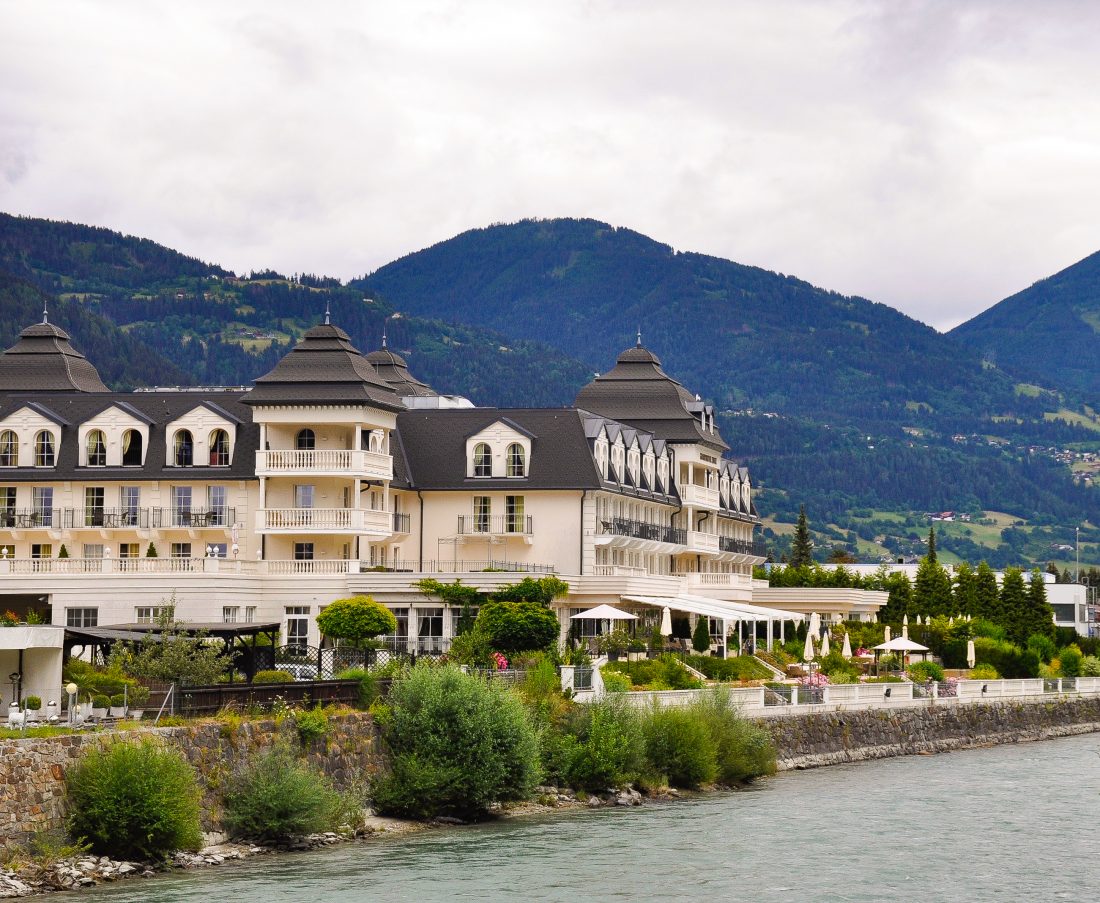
point(30, 663)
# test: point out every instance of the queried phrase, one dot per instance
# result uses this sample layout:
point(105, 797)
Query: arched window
point(184, 448)
point(617, 455)
point(483, 460)
point(601, 457)
point(219, 448)
point(9, 449)
point(517, 461)
point(306, 441)
point(97, 449)
point(43, 449)
point(374, 442)
point(131, 449)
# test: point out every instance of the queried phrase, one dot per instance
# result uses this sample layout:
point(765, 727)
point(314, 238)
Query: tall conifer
point(1014, 605)
point(987, 603)
point(966, 589)
point(802, 549)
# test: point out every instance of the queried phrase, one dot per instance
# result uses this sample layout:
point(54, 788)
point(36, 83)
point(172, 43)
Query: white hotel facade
point(340, 473)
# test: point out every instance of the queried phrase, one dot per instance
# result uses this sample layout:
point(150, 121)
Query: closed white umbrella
point(846, 649)
point(905, 631)
point(905, 620)
point(815, 624)
point(971, 655)
point(666, 622)
point(919, 621)
point(825, 644)
point(808, 650)
point(886, 634)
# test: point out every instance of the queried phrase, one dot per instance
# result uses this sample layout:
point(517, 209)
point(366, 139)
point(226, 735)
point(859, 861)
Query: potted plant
point(139, 696)
point(101, 704)
point(635, 649)
point(32, 705)
point(616, 642)
point(118, 706)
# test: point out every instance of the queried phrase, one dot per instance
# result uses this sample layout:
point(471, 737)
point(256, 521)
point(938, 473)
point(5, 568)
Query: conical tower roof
point(393, 369)
point(324, 368)
point(44, 360)
point(638, 392)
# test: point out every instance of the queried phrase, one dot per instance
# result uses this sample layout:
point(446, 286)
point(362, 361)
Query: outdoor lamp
point(984, 688)
point(236, 549)
point(886, 693)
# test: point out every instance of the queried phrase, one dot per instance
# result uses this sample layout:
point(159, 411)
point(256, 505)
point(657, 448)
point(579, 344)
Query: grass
point(1072, 417)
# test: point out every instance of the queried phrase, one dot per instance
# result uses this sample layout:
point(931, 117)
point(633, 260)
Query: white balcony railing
point(324, 461)
point(698, 496)
point(702, 542)
point(718, 580)
point(316, 566)
point(618, 570)
point(324, 520)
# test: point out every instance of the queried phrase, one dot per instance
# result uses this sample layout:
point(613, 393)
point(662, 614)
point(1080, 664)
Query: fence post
point(794, 695)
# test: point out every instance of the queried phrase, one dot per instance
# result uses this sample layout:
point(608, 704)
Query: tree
point(1038, 616)
point(172, 654)
point(931, 556)
point(700, 639)
point(802, 549)
point(966, 589)
point(356, 619)
point(1014, 615)
point(987, 601)
point(518, 626)
point(932, 588)
point(896, 583)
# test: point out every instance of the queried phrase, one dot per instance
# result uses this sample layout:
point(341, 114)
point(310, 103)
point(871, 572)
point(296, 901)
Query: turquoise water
point(1009, 823)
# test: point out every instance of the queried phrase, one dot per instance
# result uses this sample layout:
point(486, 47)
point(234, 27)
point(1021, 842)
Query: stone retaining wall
point(32, 771)
point(831, 738)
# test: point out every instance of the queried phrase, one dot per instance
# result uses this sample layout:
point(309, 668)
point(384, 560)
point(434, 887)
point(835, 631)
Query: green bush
point(741, 667)
point(474, 647)
point(118, 700)
point(457, 745)
point(922, 671)
point(615, 681)
point(1010, 660)
point(312, 724)
point(982, 671)
point(277, 797)
point(134, 801)
point(700, 638)
point(34, 703)
point(1042, 646)
point(679, 746)
point(610, 747)
point(665, 672)
point(356, 619)
point(1071, 659)
point(840, 670)
point(744, 749)
point(272, 676)
point(101, 701)
point(368, 685)
point(518, 626)
point(1090, 666)
point(541, 680)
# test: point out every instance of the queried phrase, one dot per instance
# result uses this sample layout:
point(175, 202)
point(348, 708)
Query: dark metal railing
point(742, 546)
point(107, 518)
point(622, 526)
point(522, 524)
point(194, 517)
point(30, 518)
point(402, 523)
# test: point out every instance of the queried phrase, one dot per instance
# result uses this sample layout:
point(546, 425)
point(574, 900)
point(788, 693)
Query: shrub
point(679, 746)
point(1090, 666)
point(541, 680)
point(272, 676)
point(458, 744)
point(982, 671)
point(742, 667)
point(518, 626)
point(34, 703)
point(610, 747)
point(1042, 646)
point(101, 701)
point(368, 686)
point(921, 671)
point(134, 801)
point(665, 672)
point(118, 700)
point(474, 647)
point(312, 724)
point(356, 619)
point(744, 749)
point(277, 797)
point(1010, 660)
point(615, 681)
point(1071, 658)
point(839, 669)
point(700, 637)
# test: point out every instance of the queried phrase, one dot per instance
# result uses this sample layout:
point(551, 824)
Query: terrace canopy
point(726, 612)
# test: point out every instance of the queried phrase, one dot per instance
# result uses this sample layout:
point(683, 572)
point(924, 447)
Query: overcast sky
point(935, 156)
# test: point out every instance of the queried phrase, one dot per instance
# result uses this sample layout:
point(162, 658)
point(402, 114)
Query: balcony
point(335, 462)
point(32, 519)
point(698, 496)
point(636, 529)
point(107, 518)
point(742, 546)
point(717, 581)
point(496, 524)
point(194, 518)
point(353, 521)
point(402, 523)
point(702, 543)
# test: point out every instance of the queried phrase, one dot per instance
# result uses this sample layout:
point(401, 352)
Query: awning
point(715, 608)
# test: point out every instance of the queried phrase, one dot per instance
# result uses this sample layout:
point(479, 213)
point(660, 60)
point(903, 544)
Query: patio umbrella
point(886, 633)
point(666, 622)
point(905, 631)
point(919, 621)
point(605, 613)
point(808, 651)
point(846, 650)
point(815, 624)
point(905, 620)
point(971, 655)
point(825, 644)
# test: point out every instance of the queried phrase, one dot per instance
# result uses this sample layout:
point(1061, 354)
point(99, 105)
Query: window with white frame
point(9, 449)
point(514, 519)
point(617, 455)
point(96, 452)
point(129, 504)
point(183, 448)
point(483, 460)
point(44, 449)
point(81, 617)
point(483, 507)
point(601, 457)
point(153, 614)
point(230, 614)
point(181, 506)
point(516, 461)
point(94, 499)
point(42, 504)
point(132, 444)
point(179, 550)
point(219, 448)
point(250, 614)
point(217, 499)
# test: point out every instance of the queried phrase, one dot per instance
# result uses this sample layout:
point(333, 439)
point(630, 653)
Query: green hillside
point(1050, 331)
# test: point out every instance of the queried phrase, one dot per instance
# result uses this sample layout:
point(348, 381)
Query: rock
point(594, 802)
point(126, 869)
point(624, 800)
point(449, 820)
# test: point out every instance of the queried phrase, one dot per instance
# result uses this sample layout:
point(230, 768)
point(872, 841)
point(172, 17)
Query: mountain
point(121, 297)
point(837, 401)
point(1049, 332)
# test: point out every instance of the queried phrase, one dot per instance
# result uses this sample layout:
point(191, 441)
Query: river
point(1009, 823)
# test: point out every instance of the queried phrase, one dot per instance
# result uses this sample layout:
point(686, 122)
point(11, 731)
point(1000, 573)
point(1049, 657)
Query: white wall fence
point(782, 700)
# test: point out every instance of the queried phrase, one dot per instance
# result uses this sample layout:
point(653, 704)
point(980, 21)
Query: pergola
point(741, 612)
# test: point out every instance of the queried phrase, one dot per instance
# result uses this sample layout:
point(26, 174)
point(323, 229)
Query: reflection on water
point(1008, 823)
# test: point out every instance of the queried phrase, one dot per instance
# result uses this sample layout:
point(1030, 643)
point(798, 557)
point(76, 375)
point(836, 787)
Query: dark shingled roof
point(393, 369)
point(324, 368)
point(638, 392)
point(158, 409)
point(43, 360)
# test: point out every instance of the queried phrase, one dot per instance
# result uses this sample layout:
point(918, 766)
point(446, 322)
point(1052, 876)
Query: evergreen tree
point(802, 550)
point(931, 545)
point(987, 603)
point(1014, 604)
point(966, 589)
point(932, 588)
point(897, 585)
point(1040, 616)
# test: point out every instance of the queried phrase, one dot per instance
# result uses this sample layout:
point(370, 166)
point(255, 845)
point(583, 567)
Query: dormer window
point(662, 474)
point(131, 449)
point(43, 449)
point(601, 458)
point(617, 463)
point(516, 461)
point(97, 449)
point(306, 440)
point(647, 472)
point(9, 449)
point(219, 448)
point(183, 448)
point(483, 460)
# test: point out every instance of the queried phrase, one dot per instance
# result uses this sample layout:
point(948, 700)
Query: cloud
point(935, 156)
